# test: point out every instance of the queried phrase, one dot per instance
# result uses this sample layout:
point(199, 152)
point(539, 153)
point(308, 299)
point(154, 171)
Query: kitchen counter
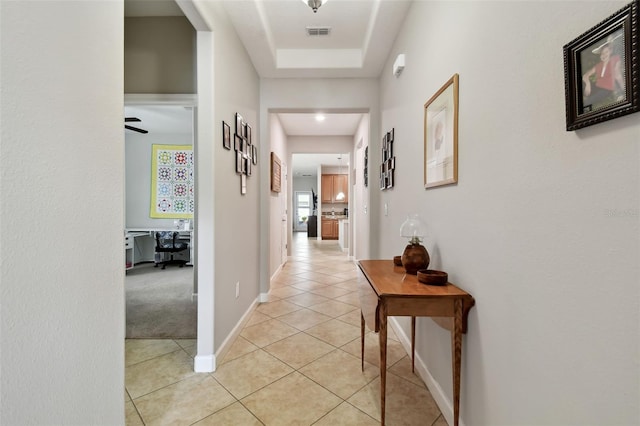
point(336, 217)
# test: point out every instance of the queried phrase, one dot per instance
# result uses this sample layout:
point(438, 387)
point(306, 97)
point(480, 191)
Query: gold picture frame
point(441, 136)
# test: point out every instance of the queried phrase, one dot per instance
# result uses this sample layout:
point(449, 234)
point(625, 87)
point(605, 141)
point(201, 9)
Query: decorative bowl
point(432, 277)
point(397, 260)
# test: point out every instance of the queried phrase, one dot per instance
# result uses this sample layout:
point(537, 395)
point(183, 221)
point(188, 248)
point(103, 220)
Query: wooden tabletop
point(388, 279)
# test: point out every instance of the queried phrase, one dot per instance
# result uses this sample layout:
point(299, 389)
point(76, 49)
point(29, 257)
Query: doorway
point(302, 210)
point(159, 303)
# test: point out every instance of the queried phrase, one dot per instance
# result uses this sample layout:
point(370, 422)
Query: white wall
point(277, 200)
point(62, 213)
point(529, 229)
point(305, 184)
point(359, 211)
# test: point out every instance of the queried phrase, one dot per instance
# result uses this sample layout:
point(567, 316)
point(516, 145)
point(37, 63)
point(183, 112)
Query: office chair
point(167, 242)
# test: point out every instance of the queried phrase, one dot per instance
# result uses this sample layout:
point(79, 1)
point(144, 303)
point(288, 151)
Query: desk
point(139, 245)
point(130, 248)
point(389, 291)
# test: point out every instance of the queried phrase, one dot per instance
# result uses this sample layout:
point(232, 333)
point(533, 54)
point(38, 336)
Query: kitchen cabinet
point(329, 229)
point(326, 189)
point(331, 186)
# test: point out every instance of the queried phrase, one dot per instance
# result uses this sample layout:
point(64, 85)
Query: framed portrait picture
point(276, 169)
point(237, 142)
point(243, 184)
point(254, 154)
point(441, 136)
point(248, 135)
point(239, 123)
point(601, 70)
point(226, 135)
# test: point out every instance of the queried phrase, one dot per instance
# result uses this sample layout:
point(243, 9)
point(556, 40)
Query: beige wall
point(234, 231)
point(62, 213)
point(528, 230)
point(159, 55)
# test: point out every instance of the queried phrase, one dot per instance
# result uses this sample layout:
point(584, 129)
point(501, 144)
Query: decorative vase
point(415, 257)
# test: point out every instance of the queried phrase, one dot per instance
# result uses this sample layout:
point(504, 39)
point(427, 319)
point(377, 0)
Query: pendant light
point(314, 4)
point(340, 195)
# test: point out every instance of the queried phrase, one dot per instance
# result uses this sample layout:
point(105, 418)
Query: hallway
point(297, 361)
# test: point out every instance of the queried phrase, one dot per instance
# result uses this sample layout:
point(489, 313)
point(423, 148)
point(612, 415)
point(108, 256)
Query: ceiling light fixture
point(314, 4)
point(320, 117)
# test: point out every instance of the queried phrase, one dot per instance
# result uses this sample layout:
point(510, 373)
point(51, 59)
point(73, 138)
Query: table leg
point(383, 359)
point(413, 343)
point(456, 352)
point(362, 339)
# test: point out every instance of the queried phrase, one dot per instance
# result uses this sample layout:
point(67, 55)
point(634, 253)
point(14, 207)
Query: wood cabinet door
point(327, 230)
point(326, 189)
point(340, 185)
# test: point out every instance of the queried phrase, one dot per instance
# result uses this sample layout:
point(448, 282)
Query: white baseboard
point(204, 364)
point(224, 347)
point(443, 402)
point(263, 298)
point(276, 272)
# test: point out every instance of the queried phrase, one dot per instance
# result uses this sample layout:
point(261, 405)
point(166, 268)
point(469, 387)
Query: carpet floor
point(159, 303)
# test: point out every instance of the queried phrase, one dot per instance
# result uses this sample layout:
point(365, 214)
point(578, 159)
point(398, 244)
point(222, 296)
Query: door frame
point(295, 210)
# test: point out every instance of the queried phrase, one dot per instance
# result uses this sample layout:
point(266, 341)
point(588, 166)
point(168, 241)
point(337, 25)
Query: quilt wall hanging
point(172, 182)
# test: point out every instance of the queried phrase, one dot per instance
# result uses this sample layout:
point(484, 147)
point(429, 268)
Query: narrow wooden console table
point(389, 291)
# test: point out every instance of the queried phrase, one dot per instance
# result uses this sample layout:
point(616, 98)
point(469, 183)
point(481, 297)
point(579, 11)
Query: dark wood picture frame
point(366, 166)
point(226, 135)
point(276, 170)
point(388, 161)
point(239, 122)
point(239, 163)
point(601, 70)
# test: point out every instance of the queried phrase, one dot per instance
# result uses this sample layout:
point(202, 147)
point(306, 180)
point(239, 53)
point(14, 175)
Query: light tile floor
point(296, 362)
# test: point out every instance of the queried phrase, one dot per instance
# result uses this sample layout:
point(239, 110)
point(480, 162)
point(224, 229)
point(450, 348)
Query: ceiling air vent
point(318, 31)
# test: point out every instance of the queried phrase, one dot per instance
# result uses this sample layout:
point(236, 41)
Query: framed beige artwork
point(441, 136)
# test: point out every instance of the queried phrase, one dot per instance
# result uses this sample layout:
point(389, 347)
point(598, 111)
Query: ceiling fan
point(135, 129)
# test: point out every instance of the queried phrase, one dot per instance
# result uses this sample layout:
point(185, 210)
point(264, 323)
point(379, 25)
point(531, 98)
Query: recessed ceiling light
point(320, 117)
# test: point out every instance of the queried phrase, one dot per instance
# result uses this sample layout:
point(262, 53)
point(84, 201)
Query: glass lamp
point(314, 4)
point(415, 255)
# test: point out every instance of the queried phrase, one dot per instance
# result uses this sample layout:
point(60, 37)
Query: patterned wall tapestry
point(172, 182)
